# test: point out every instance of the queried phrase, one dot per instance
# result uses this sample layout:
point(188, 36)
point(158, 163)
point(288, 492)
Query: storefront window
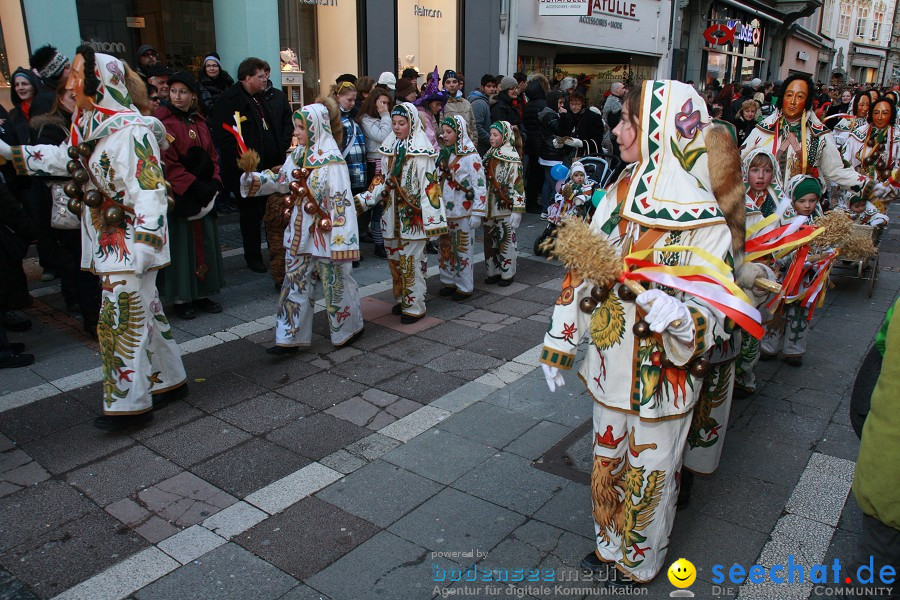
point(426, 35)
point(324, 38)
point(182, 31)
point(716, 67)
point(739, 58)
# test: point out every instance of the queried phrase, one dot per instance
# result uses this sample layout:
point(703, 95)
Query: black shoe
point(447, 291)
point(492, 279)
point(684, 490)
point(256, 265)
point(740, 392)
point(431, 248)
point(765, 357)
point(592, 563)
point(353, 338)
point(282, 350)
point(355, 264)
point(505, 282)
point(15, 359)
point(397, 310)
point(379, 251)
point(122, 422)
point(163, 399)
point(459, 296)
point(185, 312)
point(207, 305)
point(366, 238)
point(794, 361)
point(410, 319)
point(13, 321)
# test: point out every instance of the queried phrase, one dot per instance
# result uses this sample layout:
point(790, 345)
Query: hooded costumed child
point(114, 153)
point(862, 211)
point(574, 194)
point(502, 210)
point(320, 239)
point(413, 208)
point(786, 331)
point(648, 357)
point(462, 184)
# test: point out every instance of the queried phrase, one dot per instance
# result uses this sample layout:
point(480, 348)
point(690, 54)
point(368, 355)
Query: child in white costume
point(574, 194)
point(462, 184)
point(320, 239)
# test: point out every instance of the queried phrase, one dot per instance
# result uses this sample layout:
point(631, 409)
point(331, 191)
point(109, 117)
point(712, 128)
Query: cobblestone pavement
point(374, 470)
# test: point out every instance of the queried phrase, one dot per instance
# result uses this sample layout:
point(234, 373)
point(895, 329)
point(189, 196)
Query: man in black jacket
point(243, 106)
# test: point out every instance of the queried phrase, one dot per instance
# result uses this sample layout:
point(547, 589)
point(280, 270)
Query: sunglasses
point(154, 98)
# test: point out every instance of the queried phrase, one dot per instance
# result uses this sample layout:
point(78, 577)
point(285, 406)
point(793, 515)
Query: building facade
point(861, 31)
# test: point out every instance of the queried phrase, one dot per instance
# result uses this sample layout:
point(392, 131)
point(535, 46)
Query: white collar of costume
point(464, 144)
point(113, 108)
point(321, 148)
point(670, 185)
point(417, 143)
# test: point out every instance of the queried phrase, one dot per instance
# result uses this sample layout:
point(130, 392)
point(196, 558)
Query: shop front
point(618, 40)
point(732, 42)
point(866, 63)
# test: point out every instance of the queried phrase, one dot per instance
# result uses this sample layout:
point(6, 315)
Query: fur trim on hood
point(727, 183)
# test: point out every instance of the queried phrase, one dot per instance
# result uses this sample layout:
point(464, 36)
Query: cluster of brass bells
point(297, 190)
point(80, 176)
point(589, 303)
point(388, 185)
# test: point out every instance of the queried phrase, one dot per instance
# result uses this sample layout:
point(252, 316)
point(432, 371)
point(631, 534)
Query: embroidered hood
point(464, 144)
point(775, 187)
point(417, 144)
point(670, 184)
point(113, 109)
point(507, 150)
point(321, 147)
point(786, 206)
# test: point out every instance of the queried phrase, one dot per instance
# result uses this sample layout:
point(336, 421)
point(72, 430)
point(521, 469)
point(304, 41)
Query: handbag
point(60, 215)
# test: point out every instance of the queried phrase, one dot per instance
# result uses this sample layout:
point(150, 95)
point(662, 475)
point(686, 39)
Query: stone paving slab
point(122, 474)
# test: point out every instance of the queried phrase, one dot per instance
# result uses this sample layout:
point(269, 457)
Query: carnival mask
point(881, 115)
point(75, 84)
point(794, 102)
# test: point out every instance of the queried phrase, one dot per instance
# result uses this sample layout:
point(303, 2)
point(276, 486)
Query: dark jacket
point(16, 233)
point(211, 89)
point(743, 128)
point(481, 108)
point(191, 162)
point(586, 126)
point(264, 140)
point(51, 128)
point(549, 120)
point(537, 101)
point(280, 108)
point(504, 110)
point(18, 126)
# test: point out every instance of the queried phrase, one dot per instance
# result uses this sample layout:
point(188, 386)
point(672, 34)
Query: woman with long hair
point(375, 120)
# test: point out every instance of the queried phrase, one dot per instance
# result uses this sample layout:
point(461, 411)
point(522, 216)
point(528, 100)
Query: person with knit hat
point(462, 180)
point(502, 208)
point(786, 331)
point(146, 57)
point(430, 106)
point(413, 208)
point(214, 80)
point(506, 104)
point(192, 167)
point(50, 65)
point(456, 101)
point(405, 91)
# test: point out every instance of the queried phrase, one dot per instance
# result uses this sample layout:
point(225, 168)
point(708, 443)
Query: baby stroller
point(599, 170)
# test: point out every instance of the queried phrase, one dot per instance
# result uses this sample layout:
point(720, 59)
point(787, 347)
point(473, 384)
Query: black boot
point(684, 490)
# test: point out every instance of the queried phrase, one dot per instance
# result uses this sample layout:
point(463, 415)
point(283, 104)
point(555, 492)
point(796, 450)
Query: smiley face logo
point(682, 573)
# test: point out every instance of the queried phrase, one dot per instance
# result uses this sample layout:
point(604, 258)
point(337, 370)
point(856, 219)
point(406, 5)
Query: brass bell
point(296, 174)
point(641, 329)
point(301, 192)
point(296, 186)
point(304, 172)
point(389, 184)
point(286, 215)
point(93, 198)
point(113, 215)
point(625, 294)
point(587, 305)
point(470, 195)
point(81, 176)
point(699, 367)
point(325, 224)
point(871, 143)
point(667, 364)
point(288, 201)
point(75, 206)
point(310, 207)
point(72, 166)
point(599, 293)
point(85, 149)
point(385, 194)
point(72, 189)
point(879, 147)
point(73, 153)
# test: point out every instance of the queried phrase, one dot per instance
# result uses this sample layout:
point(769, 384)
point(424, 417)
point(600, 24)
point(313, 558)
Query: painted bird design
point(118, 334)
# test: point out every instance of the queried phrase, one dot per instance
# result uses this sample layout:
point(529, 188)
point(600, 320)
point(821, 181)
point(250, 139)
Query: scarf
point(463, 145)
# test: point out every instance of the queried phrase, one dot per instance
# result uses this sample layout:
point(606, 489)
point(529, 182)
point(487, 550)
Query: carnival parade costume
point(320, 238)
point(114, 155)
point(662, 215)
point(413, 209)
point(571, 197)
point(503, 207)
point(875, 153)
point(462, 180)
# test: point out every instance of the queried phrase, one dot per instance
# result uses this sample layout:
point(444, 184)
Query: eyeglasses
point(154, 98)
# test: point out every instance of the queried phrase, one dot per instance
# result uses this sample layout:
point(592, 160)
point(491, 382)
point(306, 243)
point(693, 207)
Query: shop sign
point(105, 47)
point(614, 8)
point(746, 33)
point(568, 8)
point(731, 32)
point(423, 11)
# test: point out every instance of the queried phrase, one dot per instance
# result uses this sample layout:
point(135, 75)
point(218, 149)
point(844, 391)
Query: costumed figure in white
point(874, 150)
point(461, 175)
point(113, 156)
point(320, 238)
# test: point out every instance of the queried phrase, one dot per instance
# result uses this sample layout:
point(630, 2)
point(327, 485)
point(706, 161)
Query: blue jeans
point(548, 191)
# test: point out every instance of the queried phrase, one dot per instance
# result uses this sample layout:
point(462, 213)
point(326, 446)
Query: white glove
point(515, 219)
point(475, 222)
point(663, 310)
point(556, 143)
point(553, 376)
point(881, 189)
point(142, 258)
point(574, 142)
point(246, 182)
point(746, 276)
point(5, 150)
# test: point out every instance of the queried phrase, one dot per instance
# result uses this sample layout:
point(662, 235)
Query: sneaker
point(14, 360)
point(544, 216)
